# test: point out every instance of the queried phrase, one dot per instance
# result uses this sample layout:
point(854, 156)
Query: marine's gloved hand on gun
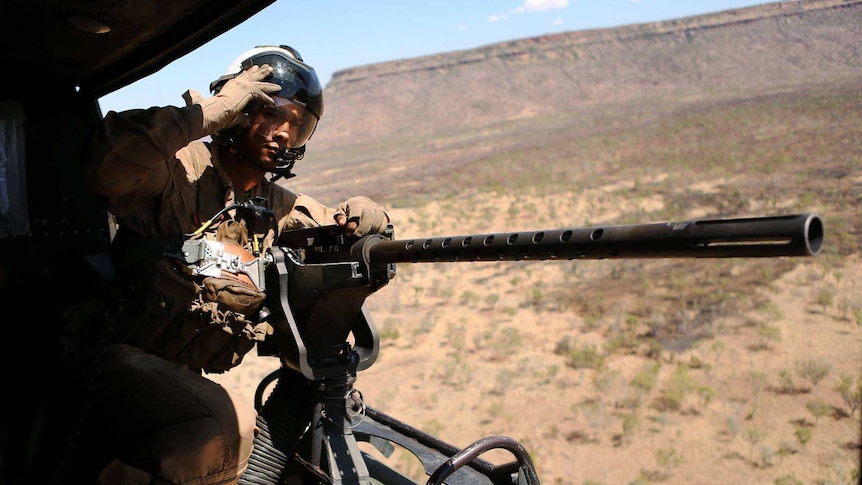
point(226, 108)
point(360, 216)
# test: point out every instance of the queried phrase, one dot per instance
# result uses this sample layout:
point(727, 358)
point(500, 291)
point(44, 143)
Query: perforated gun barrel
point(774, 236)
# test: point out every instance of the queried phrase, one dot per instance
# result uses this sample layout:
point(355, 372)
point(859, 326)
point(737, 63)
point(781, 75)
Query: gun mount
point(318, 281)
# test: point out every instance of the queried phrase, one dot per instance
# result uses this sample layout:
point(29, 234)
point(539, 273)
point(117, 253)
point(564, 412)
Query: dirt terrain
point(474, 352)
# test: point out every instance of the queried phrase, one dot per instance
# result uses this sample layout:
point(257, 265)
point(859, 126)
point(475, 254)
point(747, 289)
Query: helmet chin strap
point(285, 158)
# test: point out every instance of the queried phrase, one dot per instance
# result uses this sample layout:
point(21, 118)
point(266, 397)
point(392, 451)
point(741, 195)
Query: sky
point(332, 35)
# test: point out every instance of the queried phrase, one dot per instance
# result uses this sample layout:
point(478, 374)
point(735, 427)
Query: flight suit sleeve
point(307, 212)
point(133, 152)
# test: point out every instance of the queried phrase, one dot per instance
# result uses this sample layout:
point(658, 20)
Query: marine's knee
point(246, 418)
point(179, 426)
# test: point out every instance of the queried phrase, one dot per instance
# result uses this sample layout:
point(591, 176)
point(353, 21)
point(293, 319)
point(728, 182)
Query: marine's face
point(273, 128)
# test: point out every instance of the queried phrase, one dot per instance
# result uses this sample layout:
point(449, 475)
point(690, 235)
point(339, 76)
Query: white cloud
point(462, 27)
point(557, 22)
point(533, 6)
point(541, 5)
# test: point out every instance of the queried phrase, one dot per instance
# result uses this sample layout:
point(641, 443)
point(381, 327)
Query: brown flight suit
point(168, 422)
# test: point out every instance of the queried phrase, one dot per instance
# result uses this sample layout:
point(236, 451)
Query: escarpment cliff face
point(731, 54)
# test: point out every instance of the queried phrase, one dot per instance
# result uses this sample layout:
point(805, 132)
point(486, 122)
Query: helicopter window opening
point(393, 464)
point(14, 215)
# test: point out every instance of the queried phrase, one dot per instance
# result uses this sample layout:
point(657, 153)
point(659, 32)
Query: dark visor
point(298, 81)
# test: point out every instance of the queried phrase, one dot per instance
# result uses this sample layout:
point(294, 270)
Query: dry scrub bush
point(813, 370)
point(850, 394)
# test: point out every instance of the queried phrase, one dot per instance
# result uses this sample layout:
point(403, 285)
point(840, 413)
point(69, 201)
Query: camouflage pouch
point(232, 294)
point(217, 340)
point(220, 331)
point(217, 330)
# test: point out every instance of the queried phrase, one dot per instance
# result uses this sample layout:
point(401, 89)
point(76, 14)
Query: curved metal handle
point(526, 469)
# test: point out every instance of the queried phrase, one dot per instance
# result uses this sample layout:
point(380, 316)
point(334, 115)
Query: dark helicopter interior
point(60, 57)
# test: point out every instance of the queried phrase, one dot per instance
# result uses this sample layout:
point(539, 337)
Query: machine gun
point(318, 281)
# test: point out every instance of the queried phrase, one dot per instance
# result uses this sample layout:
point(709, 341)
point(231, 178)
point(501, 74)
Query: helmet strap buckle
point(285, 158)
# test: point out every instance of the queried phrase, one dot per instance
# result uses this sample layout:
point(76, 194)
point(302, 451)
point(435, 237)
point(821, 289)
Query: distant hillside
point(728, 54)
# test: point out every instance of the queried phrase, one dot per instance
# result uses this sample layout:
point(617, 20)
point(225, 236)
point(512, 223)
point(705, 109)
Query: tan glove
point(368, 217)
point(225, 109)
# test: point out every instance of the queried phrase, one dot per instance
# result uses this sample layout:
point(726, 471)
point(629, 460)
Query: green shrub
point(631, 422)
point(852, 395)
point(787, 448)
point(803, 434)
point(586, 357)
point(468, 297)
point(535, 296)
point(644, 382)
point(785, 378)
point(668, 459)
point(388, 333)
point(818, 408)
point(679, 385)
point(769, 334)
point(813, 370)
point(788, 480)
point(754, 436)
point(706, 393)
point(826, 298)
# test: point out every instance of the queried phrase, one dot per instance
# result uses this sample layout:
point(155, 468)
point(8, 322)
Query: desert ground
point(481, 348)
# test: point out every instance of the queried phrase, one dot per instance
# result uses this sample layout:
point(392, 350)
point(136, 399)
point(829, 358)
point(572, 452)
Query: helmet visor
point(286, 117)
point(298, 81)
